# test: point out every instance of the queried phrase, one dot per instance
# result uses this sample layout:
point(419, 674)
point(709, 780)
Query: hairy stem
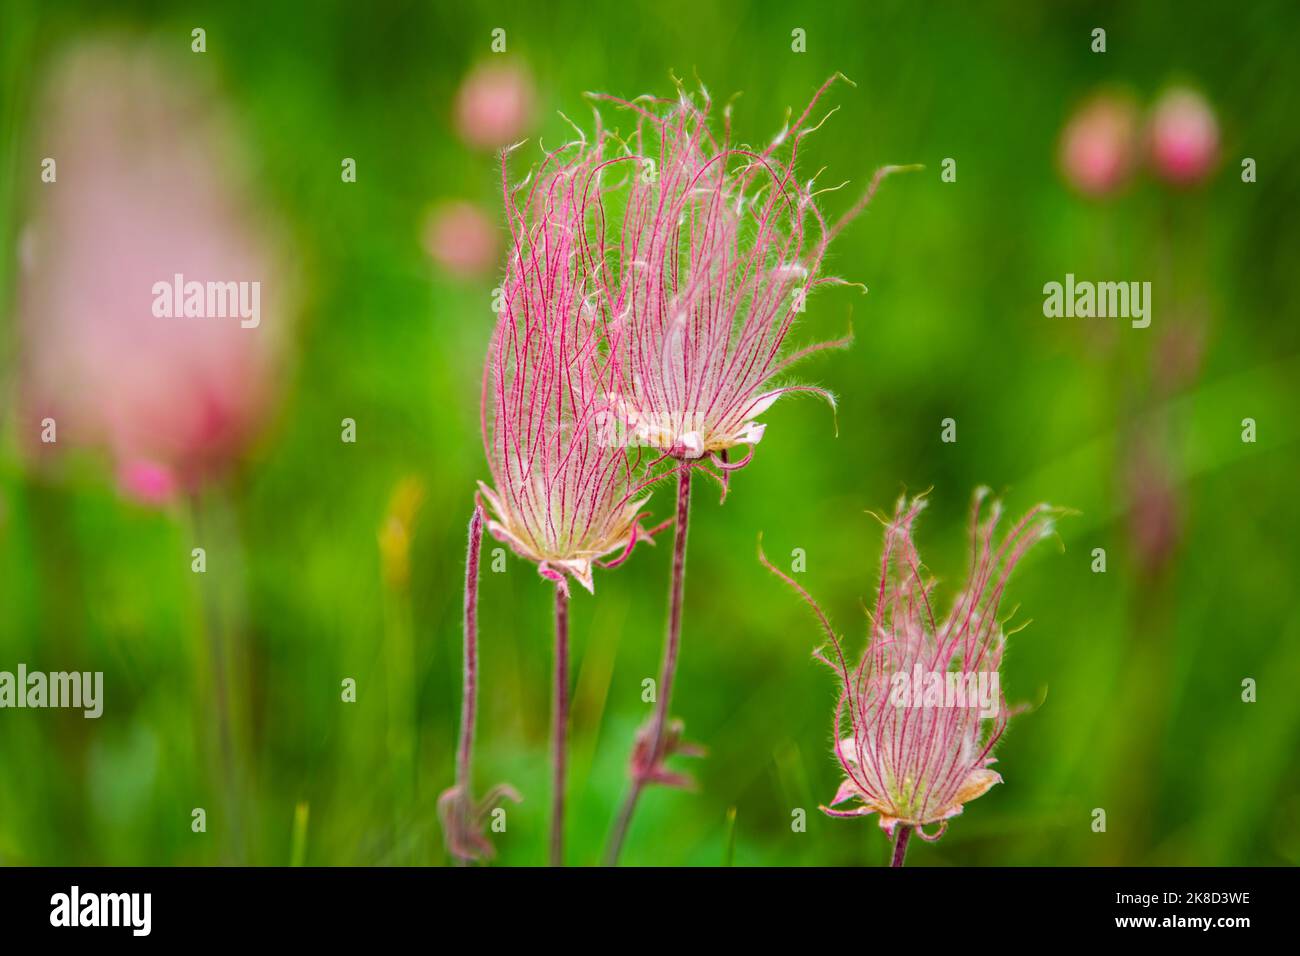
point(672, 645)
point(900, 845)
point(559, 726)
point(622, 823)
point(469, 686)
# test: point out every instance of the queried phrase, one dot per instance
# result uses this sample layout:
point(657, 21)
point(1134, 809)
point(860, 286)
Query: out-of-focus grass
point(1139, 677)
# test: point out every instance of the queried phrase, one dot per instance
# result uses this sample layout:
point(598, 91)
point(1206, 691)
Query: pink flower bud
point(1184, 137)
point(494, 107)
point(1098, 149)
point(462, 239)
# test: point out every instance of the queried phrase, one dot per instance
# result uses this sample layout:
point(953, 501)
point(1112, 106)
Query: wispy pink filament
point(907, 759)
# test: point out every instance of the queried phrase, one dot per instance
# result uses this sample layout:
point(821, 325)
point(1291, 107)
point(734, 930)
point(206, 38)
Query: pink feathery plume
point(918, 717)
point(719, 247)
point(565, 493)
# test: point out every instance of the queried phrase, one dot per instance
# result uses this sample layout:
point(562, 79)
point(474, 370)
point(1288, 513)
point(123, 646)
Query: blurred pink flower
point(143, 193)
point(1099, 145)
point(494, 107)
point(1155, 502)
point(1184, 137)
point(147, 482)
point(462, 239)
point(1180, 350)
point(913, 749)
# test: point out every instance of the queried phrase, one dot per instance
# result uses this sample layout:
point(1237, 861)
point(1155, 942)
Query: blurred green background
point(1138, 670)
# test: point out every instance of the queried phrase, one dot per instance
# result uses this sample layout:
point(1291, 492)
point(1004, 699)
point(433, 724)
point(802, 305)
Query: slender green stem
point(298, 846)
point(214, 625)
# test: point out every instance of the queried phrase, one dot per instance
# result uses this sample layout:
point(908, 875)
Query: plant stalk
point(469, 678)
point(214, 627)
point(559, 726)
point(900, 845)
point(672, 646)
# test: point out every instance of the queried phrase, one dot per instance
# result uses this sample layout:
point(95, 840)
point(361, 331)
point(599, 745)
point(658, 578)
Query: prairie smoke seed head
point(562, 494)
point(919, 715)
point(718, 248)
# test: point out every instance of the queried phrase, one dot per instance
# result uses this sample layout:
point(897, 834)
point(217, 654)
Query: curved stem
point(469, 674)
point(622, 823)
point(559, 726)
point(900, 845)
point(672, 646)
point(469, 687)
